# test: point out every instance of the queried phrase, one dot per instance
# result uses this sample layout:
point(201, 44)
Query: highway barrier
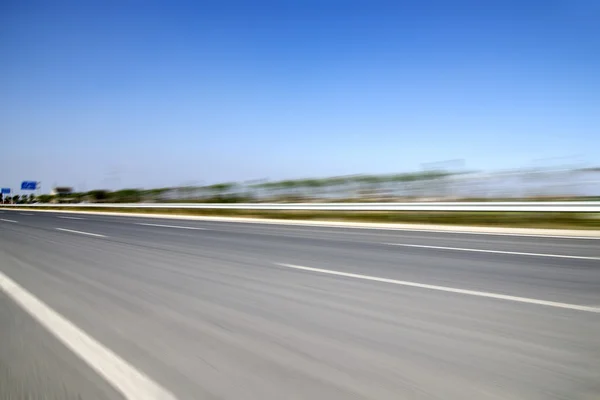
point(565, 206)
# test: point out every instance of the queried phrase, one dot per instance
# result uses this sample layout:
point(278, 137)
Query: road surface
point(108, 307)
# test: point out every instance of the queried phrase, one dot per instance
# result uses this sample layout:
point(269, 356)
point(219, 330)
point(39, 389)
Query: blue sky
point(147, 93)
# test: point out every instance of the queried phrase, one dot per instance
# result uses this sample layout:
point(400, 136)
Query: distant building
point(61, 191)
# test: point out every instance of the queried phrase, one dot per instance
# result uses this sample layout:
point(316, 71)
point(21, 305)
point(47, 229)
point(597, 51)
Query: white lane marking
point(492, 251)
point(26, 214)
point(80, 232)
point(8, 220)
point(448, 289)
point(172, 226)
point(70, 217)
point(132, 383)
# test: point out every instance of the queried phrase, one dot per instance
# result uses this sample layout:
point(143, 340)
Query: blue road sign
point(28, 185)
point(5, 190)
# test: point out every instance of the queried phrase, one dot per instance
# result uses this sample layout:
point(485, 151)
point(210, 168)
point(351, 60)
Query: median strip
point(448, 289)
point(518, 253)
point(79, 232)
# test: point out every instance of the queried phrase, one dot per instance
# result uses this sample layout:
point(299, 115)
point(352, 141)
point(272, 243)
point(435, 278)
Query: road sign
point(5, 190)
point(28, 185)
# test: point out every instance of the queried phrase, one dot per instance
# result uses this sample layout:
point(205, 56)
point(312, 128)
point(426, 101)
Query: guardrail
point(566, 206)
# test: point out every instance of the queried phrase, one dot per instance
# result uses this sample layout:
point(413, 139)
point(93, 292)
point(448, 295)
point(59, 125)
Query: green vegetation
point(350, 187)
point(415, 186)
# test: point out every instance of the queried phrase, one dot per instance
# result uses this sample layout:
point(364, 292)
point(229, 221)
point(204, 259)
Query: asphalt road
point(215, 310)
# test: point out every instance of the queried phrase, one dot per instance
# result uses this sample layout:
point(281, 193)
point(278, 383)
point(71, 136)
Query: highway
point(112, 307)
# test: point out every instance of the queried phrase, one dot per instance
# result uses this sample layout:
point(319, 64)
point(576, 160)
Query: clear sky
point(147, 93)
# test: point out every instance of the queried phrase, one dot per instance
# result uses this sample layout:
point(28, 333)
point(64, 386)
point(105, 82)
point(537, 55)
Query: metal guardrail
point(574, 206)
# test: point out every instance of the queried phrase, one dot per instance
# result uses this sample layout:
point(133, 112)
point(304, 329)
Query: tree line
point(18, 199)
point(351, 187)
point(392, 187)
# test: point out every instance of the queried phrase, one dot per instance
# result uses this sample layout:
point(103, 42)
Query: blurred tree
point(270, 188)
point(265, 189)
point(77, 197)
point(125, 196)
point(368, 184)
point(155, 194)
point(405, 183)
point(45, 198)
point(98, 195)
point(219, 190)
point(336, 184)
point(315, 186)
point(289, 188)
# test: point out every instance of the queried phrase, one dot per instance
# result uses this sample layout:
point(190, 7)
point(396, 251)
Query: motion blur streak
point(205, 314)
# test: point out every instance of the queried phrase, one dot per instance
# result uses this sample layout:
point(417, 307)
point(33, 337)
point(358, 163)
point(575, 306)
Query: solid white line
point(70, 217)
point(80, 232)
point(493, 251)
point(173, 226)
point(25, 214)
point(8, 220)
point(449, 289)
point(122, 376)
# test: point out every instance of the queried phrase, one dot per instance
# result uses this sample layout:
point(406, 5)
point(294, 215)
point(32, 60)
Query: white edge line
point(492, 251)
point(8, 220)
point(80, 232)
point(122, 376)
point(172, 226)
point(449, 289)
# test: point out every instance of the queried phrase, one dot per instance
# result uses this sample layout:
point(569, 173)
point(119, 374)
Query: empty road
point(111, 307)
